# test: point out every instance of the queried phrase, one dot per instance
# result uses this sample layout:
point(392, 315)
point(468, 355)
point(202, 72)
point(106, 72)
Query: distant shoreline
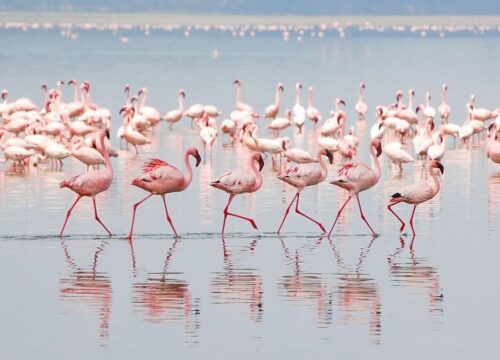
point(137, 19)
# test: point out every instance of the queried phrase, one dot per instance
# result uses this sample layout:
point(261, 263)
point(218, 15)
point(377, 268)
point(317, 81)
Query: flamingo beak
point(380, 125)
point(122, 110)
point(236, 82)
point(300, 86)
point(283, 145)
point(282, 88)
point(107, 133)
point(183, 94)
point(440, 167)
point(379, 149)
point(342, 102)
point(329, 154)
point(417, 109)
point(197, 157)
point(261, 162)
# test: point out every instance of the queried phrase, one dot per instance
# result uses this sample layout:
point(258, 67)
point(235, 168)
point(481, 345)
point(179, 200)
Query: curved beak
point(140, 92)
point(197, 157)
point(122, 110)
point(281, 88)
point(300, 86)
point(342, 102)
point(440, 167)
point(283, 145)
point(237, 82)
point(261, 162)
point(71, 82)
point(379, 149)
point(329, 154)
point(107, 133)
point(380, 125)
point(183, 94)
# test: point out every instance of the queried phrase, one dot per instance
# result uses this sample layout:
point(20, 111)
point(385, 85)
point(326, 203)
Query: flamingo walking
point(91, 183)
point(360, 105)
point(239, 182)
point(303, 175)
point(416, 194)
point(161, 178)
point(357, 177)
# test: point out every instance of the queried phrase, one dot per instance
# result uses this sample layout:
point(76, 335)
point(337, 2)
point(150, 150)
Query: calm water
point(252, 294)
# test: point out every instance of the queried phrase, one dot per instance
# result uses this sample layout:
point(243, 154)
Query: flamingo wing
point(301, 172)
point(156, 169)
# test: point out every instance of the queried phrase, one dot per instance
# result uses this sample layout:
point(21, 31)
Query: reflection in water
point(414, 274)
point(358, 293)
point(162, 297)
point(493, 196)
point(308, 289)
point(237, 285)
point(89, 287)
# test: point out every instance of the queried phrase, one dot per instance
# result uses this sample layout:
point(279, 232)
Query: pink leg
point(99, 220)
point(287, 211)
point(389, 207)
point(411, 219)
point(227, 213)
point(68, 214)
point(136, 205)
point(338, 214)
point(307, 217)
point(168, 216)
point(363, 216)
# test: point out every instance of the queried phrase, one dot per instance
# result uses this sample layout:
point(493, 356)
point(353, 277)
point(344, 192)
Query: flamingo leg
point(306, 216)
point(99, 220)
point(168, 216)
point(338, 214)
point(363, 216)
point(389, 207)
point(68, 214)
point(411, 219)
point(227, 213)
point(136, 205)
point(287, 211)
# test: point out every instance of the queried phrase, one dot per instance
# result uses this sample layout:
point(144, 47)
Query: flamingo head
point(362, 85)
point(237, 82)
point(142, 91)
point(72, 82)
point(5, 93)
point(182, 93)
point(377, 144)
point(127, 110)
point(288, 113)
point(339, 101)
point(445, 87)
point(280, 87)
point(428, 96)
point(411, 92)
point(126, 89)
point(431, 123)
point(328, 154)
point(311, 89)
point(298, 85)
point(399, 95)
point(419, 108)
point(258, 157)
point(194, 153)
point(60, 83)
point(436, 164)
point(379, 110)
point(44, 87)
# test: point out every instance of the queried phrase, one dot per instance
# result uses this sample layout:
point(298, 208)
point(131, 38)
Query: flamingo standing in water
point(360, 106)
point(160, 178)
point(416, 194)
point(357, 177)
point(91, 183)
point(304, 175)
point(239, 182)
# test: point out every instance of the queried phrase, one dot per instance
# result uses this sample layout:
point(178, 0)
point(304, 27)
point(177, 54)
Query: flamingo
point(239, 182)
point(91, 183)
point(360, 105)
point(357, 177)
point(86, 154)
point(444, 108)
point(272, 110)
point(131, 135)
point(303, 175)
point(299, 112)
point(281, 123)
point(429, 111)
point(493, 147)
point(208, 134)
point(311, 112)
point(481, 114)
point(416, 194)
point(175, 115)
point(399, 156)
point(150, 113)
point(241, 106)
point(161, 178)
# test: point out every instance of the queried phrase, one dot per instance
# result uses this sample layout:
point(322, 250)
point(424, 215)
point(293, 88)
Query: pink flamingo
point(91, 183)
point(357, 177)
point(304, 175)
point(239, 182)
point(416, 194)
point(160, 178)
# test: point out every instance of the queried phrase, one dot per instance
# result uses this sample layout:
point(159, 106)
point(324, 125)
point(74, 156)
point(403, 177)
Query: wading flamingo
point(91, 183)
point(357, 177)
point(160, 178)
point(416, 194)
point(239, 182)
point(304, 175)
point(360, 106)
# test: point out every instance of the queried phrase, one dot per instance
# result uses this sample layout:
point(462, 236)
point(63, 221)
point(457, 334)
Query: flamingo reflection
point(414, 274)
point(309, 289)
point(89, 287)
point(358, 293)
point(493, 196)
point(162, 297)
point(238, 285)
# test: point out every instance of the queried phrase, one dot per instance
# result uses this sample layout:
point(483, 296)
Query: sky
point(266, 7)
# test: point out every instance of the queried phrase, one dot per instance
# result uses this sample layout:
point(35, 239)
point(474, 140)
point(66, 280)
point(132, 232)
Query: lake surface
point(251, 294)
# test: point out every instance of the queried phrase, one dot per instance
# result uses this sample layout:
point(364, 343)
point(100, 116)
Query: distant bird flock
point(32, 135)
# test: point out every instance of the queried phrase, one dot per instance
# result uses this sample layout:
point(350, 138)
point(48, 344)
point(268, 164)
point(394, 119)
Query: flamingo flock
point(32, 136)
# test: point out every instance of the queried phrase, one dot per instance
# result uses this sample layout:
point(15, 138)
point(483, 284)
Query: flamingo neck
point(181, 103)
point(189, 172)
point(410, 101)
point(258, 175)
point(321, 162)
point(277, 98)
point(238, 94)
point(75, 93)
point(376, 161)
point(127, 97)
point(360, 97)
point(297, 97)
point(143, 101)
point(437, 185)
point(105, 153)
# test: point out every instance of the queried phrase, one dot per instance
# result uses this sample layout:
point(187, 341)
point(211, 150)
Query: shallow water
point(252, 293)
